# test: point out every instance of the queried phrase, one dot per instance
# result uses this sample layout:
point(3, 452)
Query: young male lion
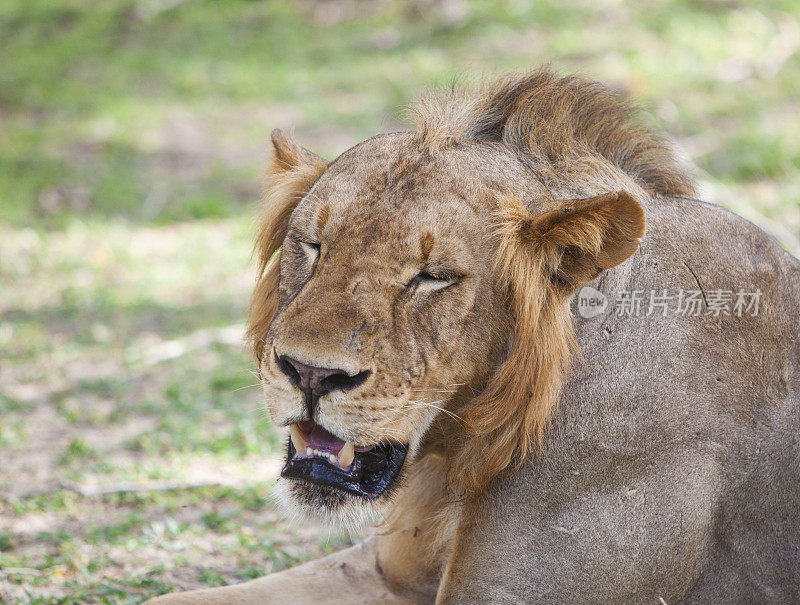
point(412, 327)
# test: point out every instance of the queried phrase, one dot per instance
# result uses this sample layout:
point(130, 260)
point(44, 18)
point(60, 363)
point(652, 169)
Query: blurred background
point(134, 455)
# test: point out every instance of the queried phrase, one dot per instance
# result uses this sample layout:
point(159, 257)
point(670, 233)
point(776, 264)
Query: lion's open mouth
point(317, 456)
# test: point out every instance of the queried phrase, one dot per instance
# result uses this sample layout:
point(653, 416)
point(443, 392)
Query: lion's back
point(715, 385)
point(750, 365)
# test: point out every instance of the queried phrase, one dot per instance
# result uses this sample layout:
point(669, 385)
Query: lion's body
point(672, 468)
point(668, 464)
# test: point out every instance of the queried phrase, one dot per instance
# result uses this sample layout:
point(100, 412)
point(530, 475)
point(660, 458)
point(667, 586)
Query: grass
point(132, 136)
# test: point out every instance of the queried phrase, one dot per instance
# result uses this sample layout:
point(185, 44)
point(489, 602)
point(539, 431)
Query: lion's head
point(413, 293)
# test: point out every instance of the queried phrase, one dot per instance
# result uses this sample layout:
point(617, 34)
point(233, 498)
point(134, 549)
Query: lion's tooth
point(309, 452)
point(346, 455)
point(298, 438)
point(332, 458)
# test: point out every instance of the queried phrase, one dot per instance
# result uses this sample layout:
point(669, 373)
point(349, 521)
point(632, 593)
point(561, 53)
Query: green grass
point(132, 138)
point(123, 547)
point(159, 111)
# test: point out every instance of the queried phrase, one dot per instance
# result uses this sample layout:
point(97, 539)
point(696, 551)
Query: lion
point(417, 331)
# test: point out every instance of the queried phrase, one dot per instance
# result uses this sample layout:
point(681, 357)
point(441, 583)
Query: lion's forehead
point(390, 199)
point(389, 177)
point(388, 169)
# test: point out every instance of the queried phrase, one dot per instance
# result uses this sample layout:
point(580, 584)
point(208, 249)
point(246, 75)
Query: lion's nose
point(319, 381)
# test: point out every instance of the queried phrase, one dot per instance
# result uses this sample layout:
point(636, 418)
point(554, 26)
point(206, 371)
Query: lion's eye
point(311, 250)
point(433, 280)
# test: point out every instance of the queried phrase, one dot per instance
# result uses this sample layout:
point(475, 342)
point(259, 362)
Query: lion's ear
point(585, 237)
point(541, 260)
point(288, 155)
point(291, 172)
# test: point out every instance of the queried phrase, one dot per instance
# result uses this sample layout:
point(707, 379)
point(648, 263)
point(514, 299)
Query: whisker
point(448, 388)
point(249, 386)
point(421, 404)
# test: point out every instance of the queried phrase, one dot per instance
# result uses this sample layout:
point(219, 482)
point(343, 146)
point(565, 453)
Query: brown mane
point(552, 122)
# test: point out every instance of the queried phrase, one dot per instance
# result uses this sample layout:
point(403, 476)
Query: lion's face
point(388, 312)
point(419, 305)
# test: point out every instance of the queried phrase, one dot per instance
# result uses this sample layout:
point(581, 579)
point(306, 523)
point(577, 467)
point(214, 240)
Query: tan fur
point(542, 176)
point(424, 514)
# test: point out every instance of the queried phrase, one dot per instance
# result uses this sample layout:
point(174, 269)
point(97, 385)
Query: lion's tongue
point(310, 439)
point(319, 438)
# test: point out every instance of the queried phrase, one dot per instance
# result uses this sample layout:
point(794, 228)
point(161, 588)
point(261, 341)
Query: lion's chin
point(321, 504)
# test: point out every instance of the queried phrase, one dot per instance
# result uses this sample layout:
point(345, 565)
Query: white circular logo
point(591, 303)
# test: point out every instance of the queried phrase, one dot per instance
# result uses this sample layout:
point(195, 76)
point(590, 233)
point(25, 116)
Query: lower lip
point(369, 476)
